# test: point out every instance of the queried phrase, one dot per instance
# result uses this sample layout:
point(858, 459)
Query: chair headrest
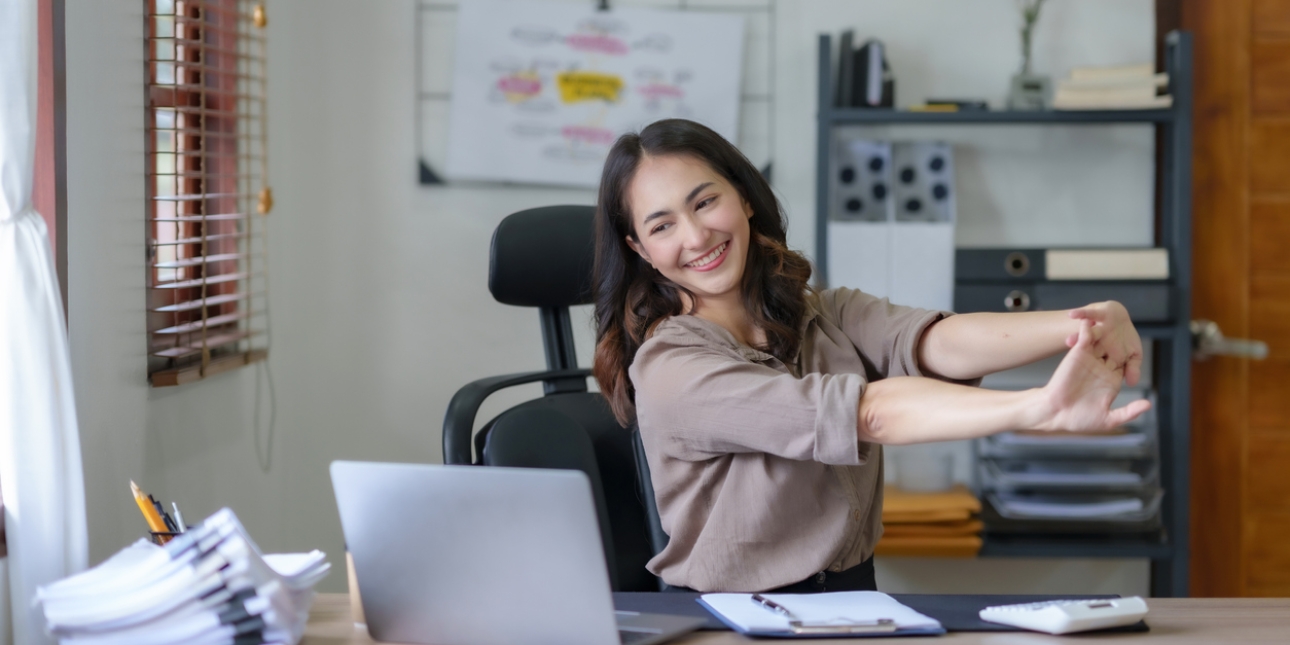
point(542, 257)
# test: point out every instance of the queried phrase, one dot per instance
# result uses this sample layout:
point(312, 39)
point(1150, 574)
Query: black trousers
point(857, 578)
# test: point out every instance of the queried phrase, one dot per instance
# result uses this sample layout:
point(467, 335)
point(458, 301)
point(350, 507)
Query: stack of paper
point(1112, 88)
point(930, 524)
point(1121, 437)
point(1056, 506)
point(1011, 474)
point(207, 586)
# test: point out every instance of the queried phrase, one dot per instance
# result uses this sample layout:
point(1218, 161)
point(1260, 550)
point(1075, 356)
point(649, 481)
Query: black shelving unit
point(1168, 551)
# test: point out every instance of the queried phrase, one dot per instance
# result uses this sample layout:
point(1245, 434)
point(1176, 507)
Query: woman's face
point(691, 224)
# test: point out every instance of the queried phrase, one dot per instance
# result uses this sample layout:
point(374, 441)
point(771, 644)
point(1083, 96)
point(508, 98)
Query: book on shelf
point(1126, 87)
point(1114, 72)
point(1159, 81)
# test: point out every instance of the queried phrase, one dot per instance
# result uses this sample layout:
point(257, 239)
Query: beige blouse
point(760, 478)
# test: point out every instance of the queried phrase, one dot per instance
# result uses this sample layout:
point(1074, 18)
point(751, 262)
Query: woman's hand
point(1114, 337)
point(1079, 395)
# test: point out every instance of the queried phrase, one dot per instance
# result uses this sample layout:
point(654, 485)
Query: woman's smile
point(710, 261)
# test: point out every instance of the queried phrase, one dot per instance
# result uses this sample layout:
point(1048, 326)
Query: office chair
point(542, 257)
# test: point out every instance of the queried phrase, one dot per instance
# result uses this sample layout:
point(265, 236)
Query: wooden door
point(1240, 509)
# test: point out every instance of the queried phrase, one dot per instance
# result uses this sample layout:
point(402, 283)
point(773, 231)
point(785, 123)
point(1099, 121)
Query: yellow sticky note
point(588, 86)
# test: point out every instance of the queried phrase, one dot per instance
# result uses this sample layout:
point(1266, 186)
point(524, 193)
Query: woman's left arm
point(968, 346)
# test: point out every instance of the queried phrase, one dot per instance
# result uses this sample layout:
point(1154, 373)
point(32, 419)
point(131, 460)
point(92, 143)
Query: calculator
point(1067, 616)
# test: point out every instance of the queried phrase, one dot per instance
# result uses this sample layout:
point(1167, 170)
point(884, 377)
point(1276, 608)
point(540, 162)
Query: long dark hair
point(632, 296)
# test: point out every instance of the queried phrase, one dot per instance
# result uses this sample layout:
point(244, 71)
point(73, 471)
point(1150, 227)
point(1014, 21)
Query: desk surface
point(1172, 620)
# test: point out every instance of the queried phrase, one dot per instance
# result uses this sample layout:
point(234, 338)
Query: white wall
point(105, 233)
point(378, 286)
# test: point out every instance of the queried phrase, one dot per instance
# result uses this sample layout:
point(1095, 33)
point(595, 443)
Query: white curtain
point(40, 451)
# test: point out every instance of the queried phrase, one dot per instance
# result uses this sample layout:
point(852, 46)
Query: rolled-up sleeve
point(701, 401)
point(887, 335)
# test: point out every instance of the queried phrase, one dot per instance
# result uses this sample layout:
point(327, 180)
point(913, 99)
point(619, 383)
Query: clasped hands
point(1104, 352)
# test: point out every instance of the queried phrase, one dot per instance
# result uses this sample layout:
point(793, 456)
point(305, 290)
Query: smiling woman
point(696, 193)
point(763, 404)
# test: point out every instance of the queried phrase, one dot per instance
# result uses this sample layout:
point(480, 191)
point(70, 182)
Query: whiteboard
point(541, 90)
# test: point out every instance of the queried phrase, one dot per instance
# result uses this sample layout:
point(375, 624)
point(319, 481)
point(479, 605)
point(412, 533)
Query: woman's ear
point(639, 249)
point(748, 209)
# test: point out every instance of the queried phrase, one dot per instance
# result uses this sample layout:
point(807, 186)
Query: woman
point(763, 404)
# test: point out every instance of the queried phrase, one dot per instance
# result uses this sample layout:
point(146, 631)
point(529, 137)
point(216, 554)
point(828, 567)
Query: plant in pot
point(1029, 91)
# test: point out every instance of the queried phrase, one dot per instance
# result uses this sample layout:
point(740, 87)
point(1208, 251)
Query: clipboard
point(849, 614)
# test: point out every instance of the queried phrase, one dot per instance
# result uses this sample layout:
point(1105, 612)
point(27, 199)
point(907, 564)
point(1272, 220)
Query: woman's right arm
point(910, 409)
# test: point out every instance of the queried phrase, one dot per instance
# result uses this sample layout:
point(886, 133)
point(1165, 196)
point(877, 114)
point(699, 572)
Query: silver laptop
point(468, 555)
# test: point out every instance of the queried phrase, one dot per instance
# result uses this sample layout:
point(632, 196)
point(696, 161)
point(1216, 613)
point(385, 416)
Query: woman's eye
point(660, 227)
point(705, 202)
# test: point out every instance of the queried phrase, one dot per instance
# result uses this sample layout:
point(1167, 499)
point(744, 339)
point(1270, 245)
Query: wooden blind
point(207, 187)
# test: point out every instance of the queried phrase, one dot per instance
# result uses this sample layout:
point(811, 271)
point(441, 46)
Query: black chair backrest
point(540, 437)
point(542, 258)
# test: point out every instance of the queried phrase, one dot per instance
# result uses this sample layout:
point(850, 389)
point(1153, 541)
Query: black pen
point(165, 517)
point(881, 625)
point(773, 606)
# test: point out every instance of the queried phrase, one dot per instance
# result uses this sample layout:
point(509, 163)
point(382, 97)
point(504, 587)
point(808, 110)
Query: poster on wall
point(541, 90)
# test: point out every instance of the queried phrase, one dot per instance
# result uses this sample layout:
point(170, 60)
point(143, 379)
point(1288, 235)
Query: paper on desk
point(833, 608)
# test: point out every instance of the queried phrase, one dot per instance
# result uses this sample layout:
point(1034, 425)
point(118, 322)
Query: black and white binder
point(1147, 302)
point(1031, 264)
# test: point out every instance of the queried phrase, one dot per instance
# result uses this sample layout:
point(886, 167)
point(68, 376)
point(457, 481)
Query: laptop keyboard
point(629, 637)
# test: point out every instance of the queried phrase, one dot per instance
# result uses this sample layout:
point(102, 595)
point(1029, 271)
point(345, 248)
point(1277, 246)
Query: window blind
point(207, 187)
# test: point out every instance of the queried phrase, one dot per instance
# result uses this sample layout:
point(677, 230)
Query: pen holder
point(160, 538)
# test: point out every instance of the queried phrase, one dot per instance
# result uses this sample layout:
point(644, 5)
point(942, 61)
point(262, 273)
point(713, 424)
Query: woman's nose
point(694, 234)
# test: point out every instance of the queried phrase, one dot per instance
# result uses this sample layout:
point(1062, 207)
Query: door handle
point(1208, 340)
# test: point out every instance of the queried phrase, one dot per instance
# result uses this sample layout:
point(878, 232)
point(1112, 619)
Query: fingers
point(1096, 331)
point(1133, 370)
point(1085, 339)
point(1121, 416)
point(1088, 312)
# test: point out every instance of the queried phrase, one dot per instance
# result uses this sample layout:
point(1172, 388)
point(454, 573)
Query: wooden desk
point(1172, 620)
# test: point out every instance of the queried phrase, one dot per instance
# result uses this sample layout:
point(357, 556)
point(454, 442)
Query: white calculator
point(1067, 616)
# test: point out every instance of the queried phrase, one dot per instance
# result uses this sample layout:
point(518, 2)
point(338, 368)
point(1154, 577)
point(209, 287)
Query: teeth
point(709, 257)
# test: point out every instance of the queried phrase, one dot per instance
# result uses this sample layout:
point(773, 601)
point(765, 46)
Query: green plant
point(1029, 16)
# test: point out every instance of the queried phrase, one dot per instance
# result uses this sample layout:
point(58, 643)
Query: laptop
point(470, 555)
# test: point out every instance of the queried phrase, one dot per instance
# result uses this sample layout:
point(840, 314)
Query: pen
point(165, 517)
point(881, 625)
point(155, 523)
point(179, 517)
point(773, 606)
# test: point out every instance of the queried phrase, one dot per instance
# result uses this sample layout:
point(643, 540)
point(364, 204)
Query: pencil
point(155, 523)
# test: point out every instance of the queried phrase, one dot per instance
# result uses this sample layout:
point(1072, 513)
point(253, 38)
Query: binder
point(846, 73)
point(999, 265)
point(1147, 302)
point(1034, 265)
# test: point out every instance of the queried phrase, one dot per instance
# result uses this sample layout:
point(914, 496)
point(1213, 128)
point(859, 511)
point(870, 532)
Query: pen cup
point(355, 601)
point(160, 538)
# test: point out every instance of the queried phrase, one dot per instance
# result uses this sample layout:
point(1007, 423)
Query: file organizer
point(1073, 484)
point(892, 215)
